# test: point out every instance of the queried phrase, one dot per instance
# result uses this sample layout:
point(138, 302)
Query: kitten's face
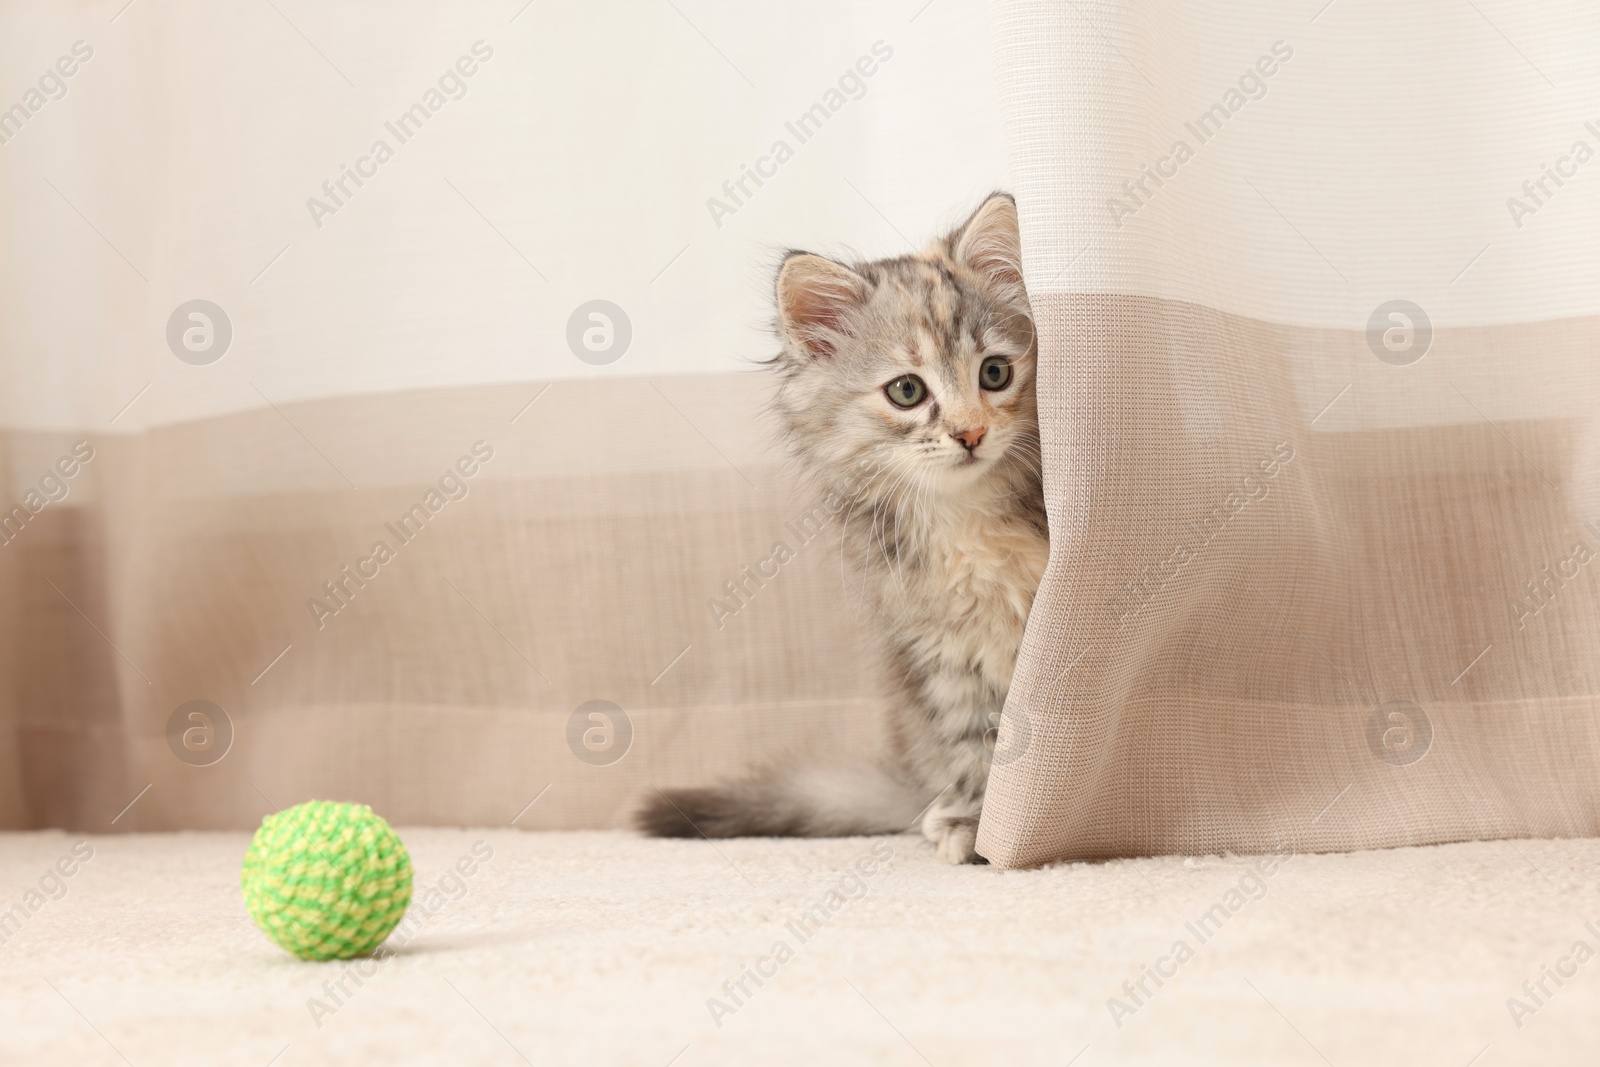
point(920, 369)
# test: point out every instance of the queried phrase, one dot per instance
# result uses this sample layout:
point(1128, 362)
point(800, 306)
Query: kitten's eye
point(995, 373)
point(907, 392)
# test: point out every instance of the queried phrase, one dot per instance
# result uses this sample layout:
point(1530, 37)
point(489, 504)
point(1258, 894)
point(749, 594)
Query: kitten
point(907, 385)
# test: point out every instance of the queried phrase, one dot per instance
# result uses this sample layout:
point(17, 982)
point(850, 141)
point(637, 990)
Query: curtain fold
point(1318, 383)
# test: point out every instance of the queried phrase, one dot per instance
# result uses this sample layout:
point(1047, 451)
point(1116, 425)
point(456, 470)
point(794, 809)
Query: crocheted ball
point(326, 880)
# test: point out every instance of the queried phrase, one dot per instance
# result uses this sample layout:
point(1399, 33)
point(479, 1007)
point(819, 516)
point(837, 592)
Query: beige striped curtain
point(1316, 295)
point(423, 462)
point(448, 489)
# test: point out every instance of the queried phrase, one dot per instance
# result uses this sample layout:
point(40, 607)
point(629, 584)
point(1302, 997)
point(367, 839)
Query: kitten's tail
point(787, 801)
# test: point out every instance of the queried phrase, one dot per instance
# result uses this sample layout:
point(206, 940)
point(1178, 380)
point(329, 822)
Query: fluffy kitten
point(907, 384)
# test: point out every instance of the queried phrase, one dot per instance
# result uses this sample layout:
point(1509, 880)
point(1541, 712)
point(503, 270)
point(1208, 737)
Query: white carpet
point(602, 948)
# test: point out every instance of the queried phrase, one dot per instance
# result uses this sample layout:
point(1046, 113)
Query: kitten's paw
point(957, 841)
point(959, 844)
point(952, 826)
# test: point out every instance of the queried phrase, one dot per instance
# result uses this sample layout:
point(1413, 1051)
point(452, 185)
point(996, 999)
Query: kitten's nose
point(970, 438)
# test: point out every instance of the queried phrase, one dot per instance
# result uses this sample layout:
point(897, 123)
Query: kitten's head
point(918, 368)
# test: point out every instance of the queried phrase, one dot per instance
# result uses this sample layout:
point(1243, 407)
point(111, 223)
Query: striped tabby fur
point(945, 535)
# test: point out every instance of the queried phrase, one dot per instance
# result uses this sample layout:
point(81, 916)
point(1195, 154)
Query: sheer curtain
point(511, 346)
point(1316, 287)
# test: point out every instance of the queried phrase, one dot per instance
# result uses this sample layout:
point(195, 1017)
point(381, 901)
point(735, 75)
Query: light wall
point(577, 165)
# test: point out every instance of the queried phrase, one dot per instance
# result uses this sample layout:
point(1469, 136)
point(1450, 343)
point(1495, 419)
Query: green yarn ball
point(326, 880)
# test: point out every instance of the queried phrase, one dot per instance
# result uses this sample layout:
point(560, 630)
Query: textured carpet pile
point(604, 948)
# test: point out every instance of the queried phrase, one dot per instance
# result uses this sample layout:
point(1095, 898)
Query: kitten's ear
point(991, 244)
point(817, 298)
